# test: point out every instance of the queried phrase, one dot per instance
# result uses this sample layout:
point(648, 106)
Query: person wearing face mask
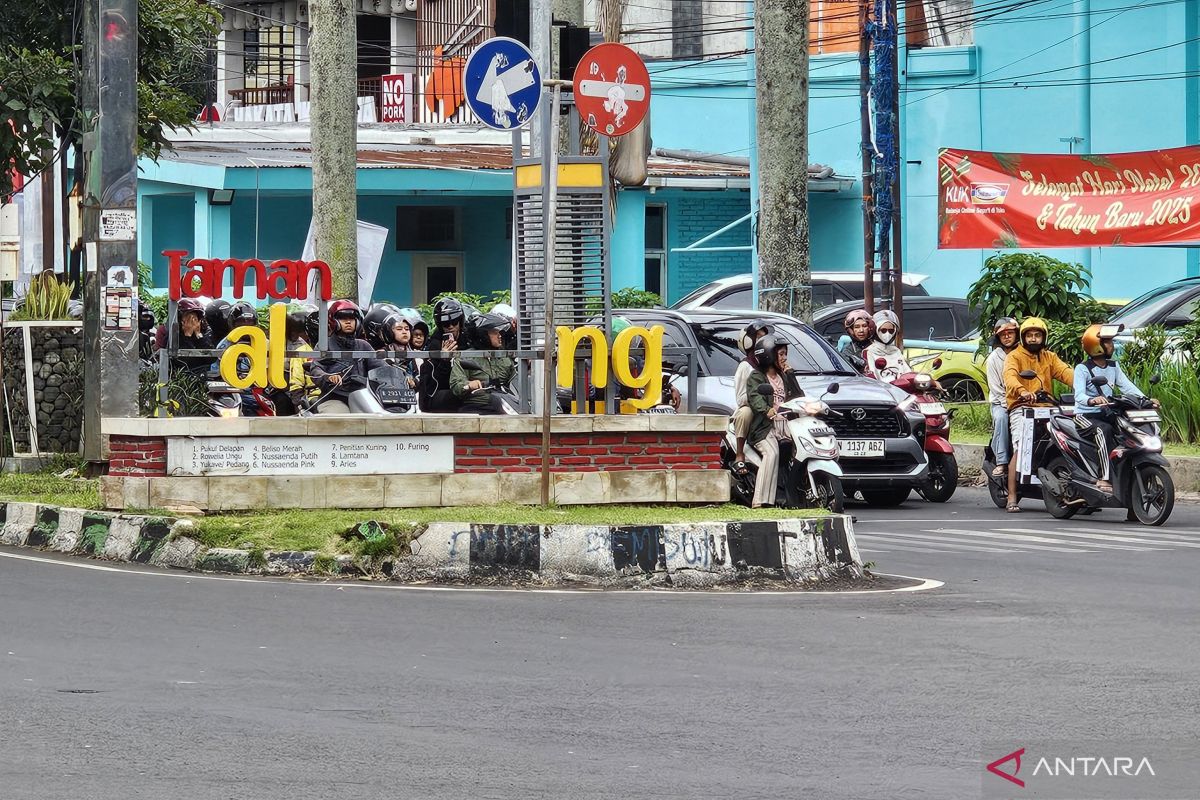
point(1004, 339)
point(1032, 356)
point(887, 332)
point(860, 333)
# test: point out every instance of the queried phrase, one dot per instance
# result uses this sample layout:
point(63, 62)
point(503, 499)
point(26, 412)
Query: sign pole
point(550, 221)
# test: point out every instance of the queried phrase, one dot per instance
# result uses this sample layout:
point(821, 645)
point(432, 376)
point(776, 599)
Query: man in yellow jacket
point(1019, 392)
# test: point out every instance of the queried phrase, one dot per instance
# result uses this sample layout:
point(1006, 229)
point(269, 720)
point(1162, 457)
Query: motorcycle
point(390, 384)
point(1141, 482)
point(1028, 486)
point(943, 467)
point(224, 400)
point(809, 464)
point(509, 402)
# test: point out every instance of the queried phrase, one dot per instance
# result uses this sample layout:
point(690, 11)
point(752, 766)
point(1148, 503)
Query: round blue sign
point(502, 83)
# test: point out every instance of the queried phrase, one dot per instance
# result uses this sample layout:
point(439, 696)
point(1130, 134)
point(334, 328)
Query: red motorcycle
point(927, 397)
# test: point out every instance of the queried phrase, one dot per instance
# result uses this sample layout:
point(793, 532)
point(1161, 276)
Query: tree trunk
point(781, 74)
point(333, 52)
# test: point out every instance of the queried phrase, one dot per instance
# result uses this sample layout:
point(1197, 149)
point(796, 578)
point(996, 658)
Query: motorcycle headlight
point(814, 408)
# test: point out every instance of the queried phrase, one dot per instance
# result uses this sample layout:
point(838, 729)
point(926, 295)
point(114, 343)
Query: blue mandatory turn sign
point(502, 83)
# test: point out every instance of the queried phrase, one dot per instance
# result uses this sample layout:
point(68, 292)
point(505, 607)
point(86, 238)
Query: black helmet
point(378, 324)
point(750, 334)
point(242, 313)
point(217, 317)
point(146, 319)
point(764, 350)
point(448, 311)
point(422, 326)
point(492, 322)
point(312, 325)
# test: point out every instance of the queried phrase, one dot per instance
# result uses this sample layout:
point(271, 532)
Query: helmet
point(145, 317)
point(765, 348)
point(884, 318)
point(1096, 335)
point(858, 315)
point(345, 308)
point(378, 324)
point(422, 326)
point(216, 314)
point(1034, 324)
point(1002, 324)
point(448, 311)
point(242, 313)
point(190, 305)
point(505, 310)
point(411, 316)
point(492, 322)
point(312, 325)
point(750, 334)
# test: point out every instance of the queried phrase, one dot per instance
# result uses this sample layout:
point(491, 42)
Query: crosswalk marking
point(1183, 540)
point(933, 541)
point(1025, 542)
point(1026, 534)
point(1089, 533)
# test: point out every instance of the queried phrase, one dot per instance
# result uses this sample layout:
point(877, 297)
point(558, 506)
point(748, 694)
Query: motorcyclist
point(470, 384)
point(743, 415)
point(510, 314)
point(191, 333)
point(1004, 339)
point(216, 314)
point(860, 332)
point(887, 331)
point(1031, 355)
point(1092, 414)
point(302, 390)
point(435, 392)
point(146, 332)
point(338, 376)
point(768, 428)
point(378, 324)
point(241, 315)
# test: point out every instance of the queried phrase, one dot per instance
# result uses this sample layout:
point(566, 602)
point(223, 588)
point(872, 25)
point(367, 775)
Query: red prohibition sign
point(612, 89)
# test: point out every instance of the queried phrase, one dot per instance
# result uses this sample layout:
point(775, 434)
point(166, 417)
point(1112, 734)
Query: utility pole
point(781, 75)
point(886, 132)
point(540, 20)
point(109, 79)
point(897, 193)
point(333, 53)
point(868, 154)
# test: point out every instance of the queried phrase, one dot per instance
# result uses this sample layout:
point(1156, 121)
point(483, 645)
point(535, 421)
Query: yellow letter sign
point(266, 359)
point(650, 378)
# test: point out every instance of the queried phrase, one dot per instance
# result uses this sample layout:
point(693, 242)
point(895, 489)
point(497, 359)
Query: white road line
point(1135, 533)
point(925, 585)
point(1086, 533)
point(933, 540)
point(1049, 536)
point(1012, 536)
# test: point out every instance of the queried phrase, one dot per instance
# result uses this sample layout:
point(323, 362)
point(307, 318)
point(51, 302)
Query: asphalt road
point(136, 684)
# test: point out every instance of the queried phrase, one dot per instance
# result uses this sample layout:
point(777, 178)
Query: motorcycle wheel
point(943, 478)
point(829, 492)
point(1153, 495)
point(998, 493)
point(885, 498)
point(1059, 510)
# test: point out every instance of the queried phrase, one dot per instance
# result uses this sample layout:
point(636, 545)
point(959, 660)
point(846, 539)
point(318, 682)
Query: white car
point(828, 288)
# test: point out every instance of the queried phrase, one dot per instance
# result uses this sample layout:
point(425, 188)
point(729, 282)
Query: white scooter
point(812, 475)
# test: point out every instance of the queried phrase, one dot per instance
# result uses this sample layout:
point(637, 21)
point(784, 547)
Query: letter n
point(568, 342)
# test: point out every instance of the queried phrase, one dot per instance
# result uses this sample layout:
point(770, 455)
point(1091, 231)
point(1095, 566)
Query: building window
point(687, 29)
point(656, 250)
point(269, 56)
point(833, 24)
point(428, 228)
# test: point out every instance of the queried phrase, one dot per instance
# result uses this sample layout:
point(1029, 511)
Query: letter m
point(240, 269)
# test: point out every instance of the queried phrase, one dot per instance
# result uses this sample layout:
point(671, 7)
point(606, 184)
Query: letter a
point(1015, 755)
point(255, 351)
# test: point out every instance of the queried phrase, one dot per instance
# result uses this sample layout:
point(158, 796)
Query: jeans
point(1001, 443)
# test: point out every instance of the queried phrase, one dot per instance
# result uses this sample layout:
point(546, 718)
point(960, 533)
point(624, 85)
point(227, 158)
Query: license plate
point(1143, 416)
point(394, 395)
point(860, 448)
point(932, 409)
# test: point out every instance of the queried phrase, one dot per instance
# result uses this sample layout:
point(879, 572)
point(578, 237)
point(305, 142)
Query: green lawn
point(321, 530)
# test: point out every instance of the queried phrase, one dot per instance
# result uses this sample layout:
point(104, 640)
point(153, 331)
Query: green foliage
point(630, 297)
point(47, 299)
point(1066, 334)
point(478, 301)
point(1027, 285)
point(1143, 355)
point(36, 94)
point(187, 395)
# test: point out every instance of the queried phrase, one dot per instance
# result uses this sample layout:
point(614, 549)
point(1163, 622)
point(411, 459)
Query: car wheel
point(885, 498)
point(961, 389)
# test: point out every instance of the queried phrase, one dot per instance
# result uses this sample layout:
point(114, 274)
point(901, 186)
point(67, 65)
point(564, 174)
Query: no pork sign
point(612, 89)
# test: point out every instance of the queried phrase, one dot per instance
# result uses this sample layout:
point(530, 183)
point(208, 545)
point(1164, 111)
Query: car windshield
point(808, 354)
point(695, 295)
point(1150, 306)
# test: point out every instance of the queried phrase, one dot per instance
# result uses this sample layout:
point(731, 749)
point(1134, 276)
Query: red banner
point(1018, 200)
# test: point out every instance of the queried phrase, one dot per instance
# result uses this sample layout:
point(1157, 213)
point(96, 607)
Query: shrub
point(1027, 285)
point(629, 297)
point(46, 299)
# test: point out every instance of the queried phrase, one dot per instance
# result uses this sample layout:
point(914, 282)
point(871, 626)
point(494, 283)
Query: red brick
point(574, 460)
point(680, 460)
point(608, 460)
point(607, 439)
point(658, 450)
point(536, 461)
point(645, 460)
point(626, 449)
point(523, 451)
point(643, 438)
point(471, 462)
point(562, 451)
point(517, 469)
point(505, 462)
point(472, 441)
point(593, 451)
point(685, 466)
point(691, 448)
point(486, 451)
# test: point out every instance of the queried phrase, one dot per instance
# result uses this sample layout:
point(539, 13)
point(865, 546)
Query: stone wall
point(57, 371)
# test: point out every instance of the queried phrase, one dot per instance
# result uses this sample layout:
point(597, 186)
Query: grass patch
point(41, 487)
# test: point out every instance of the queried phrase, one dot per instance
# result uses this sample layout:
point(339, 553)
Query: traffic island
point(810, 551)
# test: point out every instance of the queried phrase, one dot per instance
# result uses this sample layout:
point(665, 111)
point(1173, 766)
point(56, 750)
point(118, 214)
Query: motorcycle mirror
point(1099, 380)
point(937, 363)
point(1027, 374)
point(834, 388)
point(880, 363)
point(766, 390)
point(1155, 379)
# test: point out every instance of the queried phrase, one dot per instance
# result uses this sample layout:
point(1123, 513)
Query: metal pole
point(550, 221)
point(864, 111)
point(540, 21)
point(897, 240)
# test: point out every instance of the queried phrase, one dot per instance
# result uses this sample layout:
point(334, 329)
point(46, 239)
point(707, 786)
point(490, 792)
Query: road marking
point(1027, 543)
point(933, 540)
point(1047, 536)
point(1160, 538)
point(925, 585)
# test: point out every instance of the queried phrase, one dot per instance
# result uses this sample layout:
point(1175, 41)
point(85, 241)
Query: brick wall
point(588, 452)
point(694, 215)
point(137, 456)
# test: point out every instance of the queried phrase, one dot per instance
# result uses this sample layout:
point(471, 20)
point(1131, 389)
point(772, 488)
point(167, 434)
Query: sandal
point(1013, 508)
point(741, 468)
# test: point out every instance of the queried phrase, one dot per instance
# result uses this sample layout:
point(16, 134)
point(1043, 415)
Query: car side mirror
point(834, 388)
point(880, 363)
point(1099, 380)
point(1027, 374)
point(766, 390)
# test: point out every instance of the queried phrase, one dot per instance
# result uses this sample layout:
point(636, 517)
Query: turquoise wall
point(956, 97)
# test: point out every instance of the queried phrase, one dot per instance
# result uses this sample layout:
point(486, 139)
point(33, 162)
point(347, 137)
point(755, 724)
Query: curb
point(685, 555)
